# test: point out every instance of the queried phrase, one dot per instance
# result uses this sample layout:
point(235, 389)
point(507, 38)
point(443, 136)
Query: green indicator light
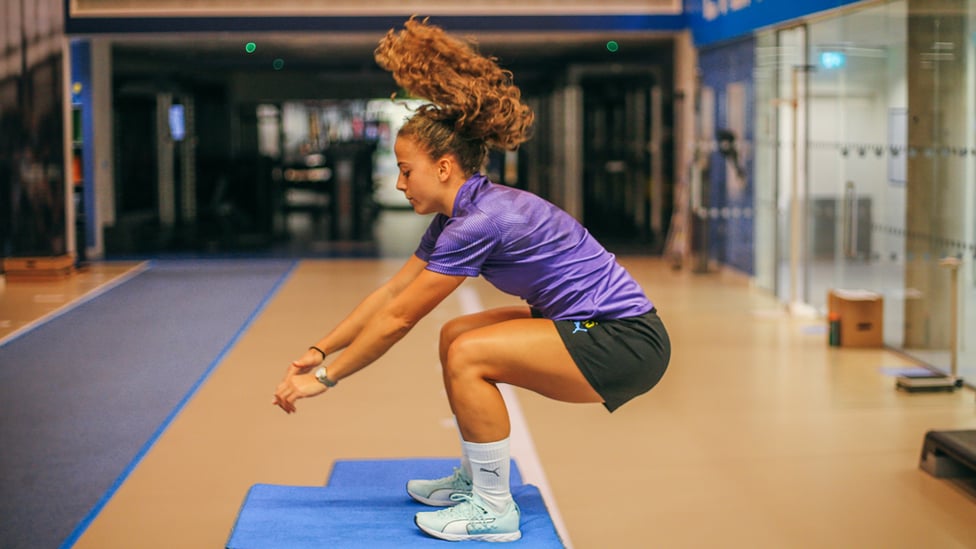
point(250, 47)
point(278, 64)
point(612, 46)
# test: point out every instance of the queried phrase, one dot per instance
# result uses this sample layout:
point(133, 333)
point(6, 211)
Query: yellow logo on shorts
point(583, 325)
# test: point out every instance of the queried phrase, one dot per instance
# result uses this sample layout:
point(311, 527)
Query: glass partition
point(879, 102)
point(856, 207)
point(766, 144)
point(967, 273)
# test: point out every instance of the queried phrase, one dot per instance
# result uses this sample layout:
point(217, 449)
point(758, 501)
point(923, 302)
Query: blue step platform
point(364, 504)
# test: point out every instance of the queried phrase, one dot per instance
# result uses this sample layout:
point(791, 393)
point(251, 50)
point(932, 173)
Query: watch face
point(323, 376)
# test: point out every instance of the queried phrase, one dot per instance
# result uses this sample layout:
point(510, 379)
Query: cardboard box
point(861, 317)
point(31, 269)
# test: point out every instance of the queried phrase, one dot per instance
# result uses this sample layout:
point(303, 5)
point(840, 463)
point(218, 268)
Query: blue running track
point(86, 394)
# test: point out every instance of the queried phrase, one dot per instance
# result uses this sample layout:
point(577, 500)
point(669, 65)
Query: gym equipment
point(950, 454)
point(365, 504)
point(936, 381)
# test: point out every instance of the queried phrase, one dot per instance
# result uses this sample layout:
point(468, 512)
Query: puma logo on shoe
point(492, 471)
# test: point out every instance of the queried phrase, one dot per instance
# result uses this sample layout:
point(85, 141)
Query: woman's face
point(421, 179)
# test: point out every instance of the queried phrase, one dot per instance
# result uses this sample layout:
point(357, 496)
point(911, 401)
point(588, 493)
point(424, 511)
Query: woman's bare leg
point(504, 346)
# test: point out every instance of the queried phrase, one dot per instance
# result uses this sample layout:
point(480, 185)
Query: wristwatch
point(323, 376)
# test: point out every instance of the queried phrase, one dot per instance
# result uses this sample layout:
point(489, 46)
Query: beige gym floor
point(760, 435)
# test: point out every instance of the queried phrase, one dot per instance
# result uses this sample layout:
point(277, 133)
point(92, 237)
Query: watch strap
point(322, 375)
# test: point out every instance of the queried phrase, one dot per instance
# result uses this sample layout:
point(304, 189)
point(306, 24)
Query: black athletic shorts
point(620, 358)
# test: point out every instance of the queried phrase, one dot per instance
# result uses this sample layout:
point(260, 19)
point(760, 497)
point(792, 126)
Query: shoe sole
point(498, 538)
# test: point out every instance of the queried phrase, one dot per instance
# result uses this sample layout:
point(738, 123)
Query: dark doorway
point(135, 139)
point(136, 225)
point(618, 158)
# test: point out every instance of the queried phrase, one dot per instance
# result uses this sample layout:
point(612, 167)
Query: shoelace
point(471, 510)
point(458, 480)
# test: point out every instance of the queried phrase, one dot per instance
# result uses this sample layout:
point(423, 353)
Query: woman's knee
point(455, 328)
point(461, 358)
point(450, 331)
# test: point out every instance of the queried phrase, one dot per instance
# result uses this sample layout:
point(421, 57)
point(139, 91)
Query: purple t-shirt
point(527, 247)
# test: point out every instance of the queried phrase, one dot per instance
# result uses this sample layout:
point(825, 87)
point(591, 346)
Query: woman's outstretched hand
point(299, 382)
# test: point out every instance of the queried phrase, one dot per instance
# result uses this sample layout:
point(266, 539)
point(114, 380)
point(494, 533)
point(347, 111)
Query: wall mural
point(32, 176)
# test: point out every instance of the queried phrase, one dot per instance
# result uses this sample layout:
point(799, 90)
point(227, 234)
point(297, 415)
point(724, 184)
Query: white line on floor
point(523, 449)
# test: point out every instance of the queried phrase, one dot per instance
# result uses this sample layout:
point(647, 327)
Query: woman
point(587, 333)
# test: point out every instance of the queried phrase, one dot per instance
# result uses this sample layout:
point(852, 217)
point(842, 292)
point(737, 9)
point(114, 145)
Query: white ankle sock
point(465, 462)
point(490, 464)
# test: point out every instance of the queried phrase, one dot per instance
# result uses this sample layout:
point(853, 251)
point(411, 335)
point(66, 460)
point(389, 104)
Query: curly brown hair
point(472, 106)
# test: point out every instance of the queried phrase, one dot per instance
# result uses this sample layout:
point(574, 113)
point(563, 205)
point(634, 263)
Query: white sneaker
point(438, 492)
point(471, 519)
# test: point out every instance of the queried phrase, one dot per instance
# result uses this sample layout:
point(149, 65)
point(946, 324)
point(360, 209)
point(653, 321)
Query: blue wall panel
point(731, 238)
point(379, 24)
point(713, 21)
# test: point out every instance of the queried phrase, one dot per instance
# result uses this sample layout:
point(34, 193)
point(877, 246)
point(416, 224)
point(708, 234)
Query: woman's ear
point(445, 167)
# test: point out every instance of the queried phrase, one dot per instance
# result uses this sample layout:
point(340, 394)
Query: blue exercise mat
point(393, 474)
point(378, 515)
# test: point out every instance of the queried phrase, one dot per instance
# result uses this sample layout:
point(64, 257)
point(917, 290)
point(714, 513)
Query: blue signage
point(833, 59)
point(177, 122)
point(714, 21)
